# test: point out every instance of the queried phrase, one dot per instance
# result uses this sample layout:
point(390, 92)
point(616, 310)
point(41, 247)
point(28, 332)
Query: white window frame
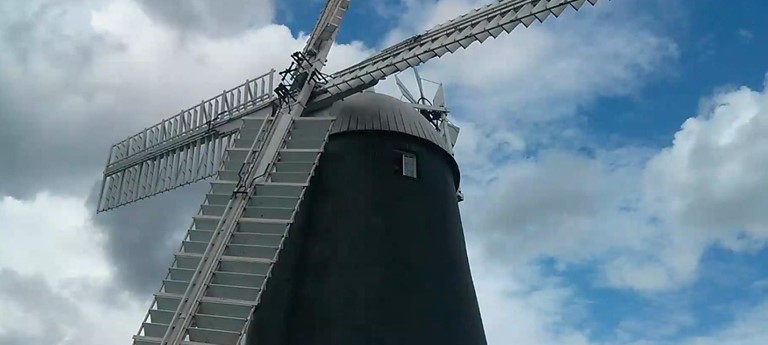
point(410, 170)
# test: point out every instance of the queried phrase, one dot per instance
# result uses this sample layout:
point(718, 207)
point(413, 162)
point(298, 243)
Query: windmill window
point(409, 165)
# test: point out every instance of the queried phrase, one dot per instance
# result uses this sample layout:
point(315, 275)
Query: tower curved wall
point(375, 257)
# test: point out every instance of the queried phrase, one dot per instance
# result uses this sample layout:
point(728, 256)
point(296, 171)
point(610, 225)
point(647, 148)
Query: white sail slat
point(475, 26)
point(172, 148)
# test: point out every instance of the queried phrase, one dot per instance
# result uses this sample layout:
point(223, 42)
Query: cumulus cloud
point(106, 71)
point(644, 217)
point(520, 306)
point(56, 284)
point(747, 329)
point(708, 188)
point(130, 73)
point(549, 70)
point(211, 18)
point(51, 236)
point(714, 178)
point(577, 209)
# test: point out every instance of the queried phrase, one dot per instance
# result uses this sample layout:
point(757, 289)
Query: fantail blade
point(404, 90)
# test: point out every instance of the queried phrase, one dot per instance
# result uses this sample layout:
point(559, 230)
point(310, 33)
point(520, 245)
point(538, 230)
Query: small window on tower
point(409, 165)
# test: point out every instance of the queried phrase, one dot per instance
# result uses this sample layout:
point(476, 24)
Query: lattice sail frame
point(229, 221)
point(180, 150)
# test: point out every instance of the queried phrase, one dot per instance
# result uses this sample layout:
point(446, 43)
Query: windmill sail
point(475, 26)
point(180, 150)
point(217, 278)
point(219, 273)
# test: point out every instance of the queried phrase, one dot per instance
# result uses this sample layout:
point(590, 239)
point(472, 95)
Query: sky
point(614, 160)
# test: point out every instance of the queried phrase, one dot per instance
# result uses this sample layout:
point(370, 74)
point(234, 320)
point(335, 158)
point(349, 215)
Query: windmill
point(332, 217)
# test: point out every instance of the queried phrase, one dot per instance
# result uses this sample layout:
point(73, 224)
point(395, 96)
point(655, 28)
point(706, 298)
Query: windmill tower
point(333, 214)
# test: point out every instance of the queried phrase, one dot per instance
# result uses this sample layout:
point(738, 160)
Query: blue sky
point(614, 160)
point(719, 47)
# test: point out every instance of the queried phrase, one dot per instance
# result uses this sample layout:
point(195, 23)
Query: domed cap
point(370, 111)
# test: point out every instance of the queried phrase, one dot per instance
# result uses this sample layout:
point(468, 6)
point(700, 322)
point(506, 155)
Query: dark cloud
point(141, 237)
point(48, 152)
point(47, 50)
point(61, 108)
point(209, 17)
point(45, 146)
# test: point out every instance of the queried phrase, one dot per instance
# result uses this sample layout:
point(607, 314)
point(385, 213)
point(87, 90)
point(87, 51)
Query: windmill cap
point(370, 111)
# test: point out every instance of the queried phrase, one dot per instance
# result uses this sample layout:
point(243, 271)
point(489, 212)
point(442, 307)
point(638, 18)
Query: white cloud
point(745, 35)
point(519, 306)
point(140, 54)
point(577, 210)
point(211, 18)
point(55, 279)
point(157, 61)
point(747, 329)
point(710, 187)
point(644, 218)
point(554, 203)
point(548, 70)
point(52, 237)
point(714, 178)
